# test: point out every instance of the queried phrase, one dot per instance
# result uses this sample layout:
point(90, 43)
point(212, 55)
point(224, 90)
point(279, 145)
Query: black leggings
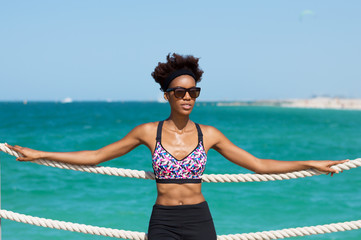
point(182, 222)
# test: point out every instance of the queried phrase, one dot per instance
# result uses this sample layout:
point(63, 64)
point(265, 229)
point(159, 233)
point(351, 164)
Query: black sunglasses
point(180, 92)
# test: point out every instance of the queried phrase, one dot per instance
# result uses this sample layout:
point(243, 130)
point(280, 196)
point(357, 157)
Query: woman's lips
point(186, 106)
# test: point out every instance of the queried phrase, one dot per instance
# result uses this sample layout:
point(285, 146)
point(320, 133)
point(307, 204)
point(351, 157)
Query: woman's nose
point(187, 95)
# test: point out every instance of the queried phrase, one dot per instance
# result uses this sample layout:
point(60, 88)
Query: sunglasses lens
point(179, 93)
point(194, 92)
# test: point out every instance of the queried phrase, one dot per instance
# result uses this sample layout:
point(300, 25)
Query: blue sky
point(249, 50)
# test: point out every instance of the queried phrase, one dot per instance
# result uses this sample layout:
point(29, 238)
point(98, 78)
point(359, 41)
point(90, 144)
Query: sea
point(285, 134)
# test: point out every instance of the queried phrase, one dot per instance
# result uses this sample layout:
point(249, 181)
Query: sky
point(249, 50)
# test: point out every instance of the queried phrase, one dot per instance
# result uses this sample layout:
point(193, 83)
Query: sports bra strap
point(200, 134)
point(159, 131)
point(160, 126)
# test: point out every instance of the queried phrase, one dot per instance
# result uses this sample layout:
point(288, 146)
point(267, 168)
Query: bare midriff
point(172, 194)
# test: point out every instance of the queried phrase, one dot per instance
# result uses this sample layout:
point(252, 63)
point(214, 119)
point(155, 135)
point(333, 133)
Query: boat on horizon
point(67, 100)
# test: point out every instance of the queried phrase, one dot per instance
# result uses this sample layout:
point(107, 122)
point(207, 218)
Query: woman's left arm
point(224, 146)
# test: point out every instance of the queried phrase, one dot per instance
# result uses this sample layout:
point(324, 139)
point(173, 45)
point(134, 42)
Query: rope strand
point(121, 172)
point(109, 232)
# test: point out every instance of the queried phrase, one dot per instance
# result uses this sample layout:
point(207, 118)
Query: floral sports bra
point(168, 169)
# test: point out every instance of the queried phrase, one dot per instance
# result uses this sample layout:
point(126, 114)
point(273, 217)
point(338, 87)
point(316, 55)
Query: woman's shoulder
point(208, 130)
point(211, 136)
point(147, 126)
point(146, 132)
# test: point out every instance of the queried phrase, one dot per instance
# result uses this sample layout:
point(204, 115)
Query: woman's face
point(183, 105)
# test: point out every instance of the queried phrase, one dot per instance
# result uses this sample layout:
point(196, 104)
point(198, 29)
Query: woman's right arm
point(133, 139)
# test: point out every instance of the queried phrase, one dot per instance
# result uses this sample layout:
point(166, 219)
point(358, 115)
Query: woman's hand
point(28, 153)
point(325, 166)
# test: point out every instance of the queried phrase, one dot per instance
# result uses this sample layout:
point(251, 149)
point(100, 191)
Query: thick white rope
point(121, 172)
point(69, 226)
point(294, 232)
point(109, 232)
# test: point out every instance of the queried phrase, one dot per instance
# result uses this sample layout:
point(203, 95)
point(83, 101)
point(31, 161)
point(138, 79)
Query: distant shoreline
point(317, 103)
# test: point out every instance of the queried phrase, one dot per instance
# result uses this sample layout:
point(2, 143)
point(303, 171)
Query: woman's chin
point(185, 111)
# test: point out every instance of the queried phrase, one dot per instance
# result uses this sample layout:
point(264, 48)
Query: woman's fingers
point(27, 154)
point(15, 148)
point(343, 161)
point(23, 159)
point(332, 163)
point(9, 146)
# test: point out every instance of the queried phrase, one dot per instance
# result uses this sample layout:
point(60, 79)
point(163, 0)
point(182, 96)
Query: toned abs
point(170, 194)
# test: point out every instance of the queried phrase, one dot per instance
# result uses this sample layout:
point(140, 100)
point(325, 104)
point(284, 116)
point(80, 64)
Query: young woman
point(179, 154)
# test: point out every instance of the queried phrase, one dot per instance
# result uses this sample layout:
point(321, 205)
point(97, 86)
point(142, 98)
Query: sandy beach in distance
point(318, 102)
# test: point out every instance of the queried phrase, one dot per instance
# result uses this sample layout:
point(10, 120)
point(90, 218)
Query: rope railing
point(73, 227)
point(265, 235)
point(248, 177)
point(109, 232)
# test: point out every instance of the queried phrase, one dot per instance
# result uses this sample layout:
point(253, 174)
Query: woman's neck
point(179, 121)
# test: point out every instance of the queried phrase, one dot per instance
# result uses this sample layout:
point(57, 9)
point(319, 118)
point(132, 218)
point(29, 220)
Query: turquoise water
point(125, 203)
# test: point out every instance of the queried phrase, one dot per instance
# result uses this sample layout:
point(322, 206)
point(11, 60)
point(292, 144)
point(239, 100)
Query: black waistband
point(181, 213)
point(197, 205)
point(178, 181)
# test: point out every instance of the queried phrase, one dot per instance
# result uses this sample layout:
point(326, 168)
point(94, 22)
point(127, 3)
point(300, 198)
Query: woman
point(179, 152)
